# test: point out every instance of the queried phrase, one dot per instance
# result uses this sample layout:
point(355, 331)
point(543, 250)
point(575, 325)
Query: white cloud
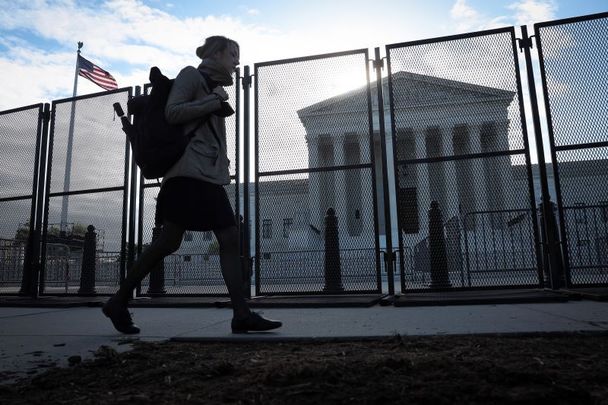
point(468, 18)
point(125, 37)
point(461, 10)
point(250, 11)
point(533, 11)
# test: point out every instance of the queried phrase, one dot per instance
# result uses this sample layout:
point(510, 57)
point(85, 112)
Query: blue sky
point(38, 37)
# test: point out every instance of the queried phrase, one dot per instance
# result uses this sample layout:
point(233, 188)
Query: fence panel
point(459, 139)
point(315, 152)
point(573, 55)
point(87, 184)
point(20, 137)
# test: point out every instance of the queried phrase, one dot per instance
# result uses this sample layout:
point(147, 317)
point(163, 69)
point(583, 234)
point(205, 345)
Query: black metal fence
point(452, 180)
point(458, 133)
point(315, 154)
point(574, 77)
point(21, 153)
point(87, 183)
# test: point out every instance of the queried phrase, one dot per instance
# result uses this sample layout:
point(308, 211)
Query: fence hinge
point(246, 80)
point(378, 63)
point(525, 43)
point(390, 257)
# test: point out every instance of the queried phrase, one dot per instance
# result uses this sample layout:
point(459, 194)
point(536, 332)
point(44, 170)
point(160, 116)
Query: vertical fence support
point(552, 256)
point(246, 262)
point(133, 199)
point(332, 269)
point(388, 229)
point(87, 273)
point(440, 277)
point(31, 261)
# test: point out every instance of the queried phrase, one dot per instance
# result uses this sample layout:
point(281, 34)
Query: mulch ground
point(549, 369)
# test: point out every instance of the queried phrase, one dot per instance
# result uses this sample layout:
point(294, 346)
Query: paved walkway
point(32, 339)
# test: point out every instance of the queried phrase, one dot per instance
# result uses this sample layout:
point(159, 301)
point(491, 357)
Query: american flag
point(96, 74)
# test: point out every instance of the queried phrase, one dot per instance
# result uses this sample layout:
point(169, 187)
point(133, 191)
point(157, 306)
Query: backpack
point(156, 143)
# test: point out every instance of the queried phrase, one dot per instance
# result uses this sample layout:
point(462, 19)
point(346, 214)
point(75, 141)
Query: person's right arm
point(182, 105)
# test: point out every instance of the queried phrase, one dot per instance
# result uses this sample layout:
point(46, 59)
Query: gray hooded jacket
point(205, 157)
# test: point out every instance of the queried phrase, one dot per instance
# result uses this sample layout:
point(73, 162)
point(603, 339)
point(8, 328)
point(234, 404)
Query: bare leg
point(168, 242)
point(231, 271)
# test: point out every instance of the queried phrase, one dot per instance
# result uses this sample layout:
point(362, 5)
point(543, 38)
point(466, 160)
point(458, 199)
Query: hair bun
point(199, 51)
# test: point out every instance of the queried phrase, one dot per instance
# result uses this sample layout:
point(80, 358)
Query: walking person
point(192, 196)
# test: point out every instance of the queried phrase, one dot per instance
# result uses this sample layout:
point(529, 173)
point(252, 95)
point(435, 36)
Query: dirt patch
point(555, 369)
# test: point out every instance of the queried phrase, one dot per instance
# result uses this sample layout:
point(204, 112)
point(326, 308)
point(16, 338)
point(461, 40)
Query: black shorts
point(195, 204)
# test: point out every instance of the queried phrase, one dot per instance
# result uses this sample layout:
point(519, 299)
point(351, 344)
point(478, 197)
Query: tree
point(23, 231)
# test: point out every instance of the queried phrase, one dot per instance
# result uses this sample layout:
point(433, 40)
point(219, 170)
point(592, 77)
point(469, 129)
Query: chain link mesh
point(459, 142)
point(18, 132)
point(97, 147)
point(65, 247)
point(574, 57)
point(14, 232)
point(18, 135)
point(94, 159)
point(313, 118)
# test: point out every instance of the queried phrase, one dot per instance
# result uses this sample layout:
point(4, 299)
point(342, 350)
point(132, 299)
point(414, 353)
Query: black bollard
point(87, 273)
point(333, 276)
point(28, 286)
point(157, 275)
point(437, 252)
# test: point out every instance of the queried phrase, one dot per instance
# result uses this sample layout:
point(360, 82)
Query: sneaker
point(254, 323)
point(120, 317)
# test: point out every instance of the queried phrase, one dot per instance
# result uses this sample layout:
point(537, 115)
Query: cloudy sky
point(38, 37)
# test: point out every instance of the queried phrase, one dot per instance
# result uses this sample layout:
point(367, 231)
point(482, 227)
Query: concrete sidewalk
point(33, 339)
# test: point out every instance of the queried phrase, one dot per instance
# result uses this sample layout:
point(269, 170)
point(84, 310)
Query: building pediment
point(411, 90)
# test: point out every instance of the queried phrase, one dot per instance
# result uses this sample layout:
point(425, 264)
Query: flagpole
point(68, 158)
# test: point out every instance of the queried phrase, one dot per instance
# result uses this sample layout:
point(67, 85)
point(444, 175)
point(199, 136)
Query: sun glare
point(345, 81)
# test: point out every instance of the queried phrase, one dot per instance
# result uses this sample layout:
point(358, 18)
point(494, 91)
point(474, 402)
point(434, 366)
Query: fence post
point(333, 276)
point(157, 275)
point(552, 253)
point(390, 256)
point(87, 273)
point(246, 269)
point(246, 225)
point(438, 257)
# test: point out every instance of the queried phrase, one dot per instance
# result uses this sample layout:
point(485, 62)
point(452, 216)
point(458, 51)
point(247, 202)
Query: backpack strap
point(207, 81)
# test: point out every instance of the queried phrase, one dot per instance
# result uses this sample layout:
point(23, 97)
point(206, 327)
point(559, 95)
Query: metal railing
point(587, 243)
